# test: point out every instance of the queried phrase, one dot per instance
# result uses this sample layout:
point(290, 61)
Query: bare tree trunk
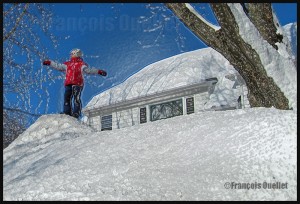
point(263, 91)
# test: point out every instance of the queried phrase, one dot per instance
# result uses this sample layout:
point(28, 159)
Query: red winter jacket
point(74, 70)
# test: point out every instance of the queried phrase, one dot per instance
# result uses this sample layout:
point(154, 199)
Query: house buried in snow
point(166, 104)
point(180, 85)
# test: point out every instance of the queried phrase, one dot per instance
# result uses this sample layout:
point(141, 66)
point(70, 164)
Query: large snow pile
point(248, 154)
point(180, 70)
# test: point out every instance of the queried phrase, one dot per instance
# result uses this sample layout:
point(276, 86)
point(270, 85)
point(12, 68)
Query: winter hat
point(76, 52)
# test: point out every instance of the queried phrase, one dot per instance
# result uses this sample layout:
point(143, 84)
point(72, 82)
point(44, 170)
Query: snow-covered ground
point(245, 154)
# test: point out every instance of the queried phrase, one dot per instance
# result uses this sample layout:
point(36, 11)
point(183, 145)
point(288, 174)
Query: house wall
point(125, 118)
point(199, 101)
point(130, 117)
point(244, 94)
point(95, 122)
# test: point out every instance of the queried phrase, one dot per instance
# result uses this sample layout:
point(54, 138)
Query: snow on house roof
point(177, 71)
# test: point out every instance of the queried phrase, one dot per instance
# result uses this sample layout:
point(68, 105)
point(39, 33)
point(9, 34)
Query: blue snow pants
point(72, 94)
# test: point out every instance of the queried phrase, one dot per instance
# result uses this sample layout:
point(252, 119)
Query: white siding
point(244, 94)
point(95, 122)
point(200, 100)
point(125, 118)
point(130, 117)
point(184, 105)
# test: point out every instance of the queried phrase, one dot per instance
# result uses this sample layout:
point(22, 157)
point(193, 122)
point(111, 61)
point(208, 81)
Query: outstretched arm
point(90, 70)
point(55, 65)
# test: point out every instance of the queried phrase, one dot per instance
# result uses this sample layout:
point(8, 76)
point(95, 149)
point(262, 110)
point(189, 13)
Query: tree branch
point(10, 9)
point(225, 18)
point(21, 111)
point(17, 23)
point(195, 24)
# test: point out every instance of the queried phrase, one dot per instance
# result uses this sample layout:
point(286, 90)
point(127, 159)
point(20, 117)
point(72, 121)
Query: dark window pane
point(166, 110)
point(106, 122)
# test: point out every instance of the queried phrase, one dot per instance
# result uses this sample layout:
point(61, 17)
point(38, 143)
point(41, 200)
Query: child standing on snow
point(74, 80)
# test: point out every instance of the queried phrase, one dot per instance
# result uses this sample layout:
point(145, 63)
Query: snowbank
point(226, 155)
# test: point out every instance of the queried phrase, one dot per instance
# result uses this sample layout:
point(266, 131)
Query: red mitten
point(102, 72)
point(47, 62)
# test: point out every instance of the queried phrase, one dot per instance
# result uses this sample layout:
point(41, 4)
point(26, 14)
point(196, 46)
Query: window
point(190, 105)
point(166, 110)
point(143, 115)
point(106, 122)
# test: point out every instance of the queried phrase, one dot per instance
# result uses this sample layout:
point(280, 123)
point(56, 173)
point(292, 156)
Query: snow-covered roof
point(177, 71)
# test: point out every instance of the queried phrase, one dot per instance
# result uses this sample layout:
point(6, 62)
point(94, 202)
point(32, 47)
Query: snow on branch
point(191, 8)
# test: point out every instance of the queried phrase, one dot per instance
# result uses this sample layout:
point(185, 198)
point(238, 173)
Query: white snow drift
point(228, 155)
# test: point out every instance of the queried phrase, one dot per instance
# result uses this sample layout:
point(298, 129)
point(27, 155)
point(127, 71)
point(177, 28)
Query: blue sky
point(113, 38)
point(286, 12)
